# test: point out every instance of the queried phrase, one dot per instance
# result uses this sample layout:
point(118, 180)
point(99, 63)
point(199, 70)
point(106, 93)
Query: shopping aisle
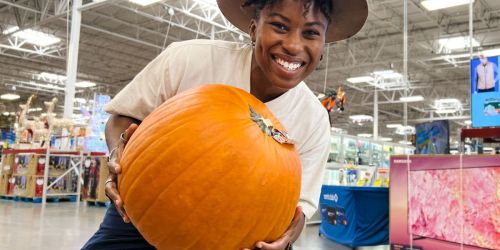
point(67, 226)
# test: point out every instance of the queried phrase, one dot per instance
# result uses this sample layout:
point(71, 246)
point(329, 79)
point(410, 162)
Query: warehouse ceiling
point(118, 38)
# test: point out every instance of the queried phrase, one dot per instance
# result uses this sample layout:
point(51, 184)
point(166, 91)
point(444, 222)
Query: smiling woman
point(288, 37)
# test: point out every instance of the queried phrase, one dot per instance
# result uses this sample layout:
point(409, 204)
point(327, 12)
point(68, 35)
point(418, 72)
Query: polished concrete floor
point(68, 226)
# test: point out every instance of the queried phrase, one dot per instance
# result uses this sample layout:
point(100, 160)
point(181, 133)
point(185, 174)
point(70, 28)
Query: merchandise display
point(468, 208)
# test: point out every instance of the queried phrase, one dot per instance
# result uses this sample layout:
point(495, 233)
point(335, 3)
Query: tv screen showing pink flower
point(436, 208)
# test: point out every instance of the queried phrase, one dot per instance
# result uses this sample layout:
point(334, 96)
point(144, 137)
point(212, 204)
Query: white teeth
point(288, 65)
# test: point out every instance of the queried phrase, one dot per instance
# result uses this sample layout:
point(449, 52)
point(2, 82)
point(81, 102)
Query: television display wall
point(485, 92)
point(433, 137)
point(436, 214)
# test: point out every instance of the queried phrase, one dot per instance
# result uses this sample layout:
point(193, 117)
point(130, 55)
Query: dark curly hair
point(325, 6)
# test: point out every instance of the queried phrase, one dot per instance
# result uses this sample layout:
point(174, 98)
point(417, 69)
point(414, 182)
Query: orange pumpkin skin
point(200, 174)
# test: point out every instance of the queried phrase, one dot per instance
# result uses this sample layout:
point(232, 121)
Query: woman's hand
point(290, 235)
point(111, 187)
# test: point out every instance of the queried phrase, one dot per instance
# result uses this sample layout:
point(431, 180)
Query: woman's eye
point(311, 33)
point(279, 26)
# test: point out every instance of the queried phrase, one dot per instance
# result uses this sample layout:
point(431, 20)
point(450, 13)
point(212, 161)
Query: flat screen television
point(433, 137)
point(436, 205)
point(485, 92)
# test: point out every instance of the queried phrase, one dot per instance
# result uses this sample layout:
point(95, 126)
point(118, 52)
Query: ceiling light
point(337, 130)
point(446, 111)
point(405, 130)
point(80, 100)
point(50, 77)
point(85, 84)
point(491, 52)
point(10, 30)
point(144, 2)
point(387, 74)
point(384, 139)
point(37, 37)
point(5, 113)
point(361, 118)
point(34, 109)
point(405, 142)
point(365, 135)
point(9, 97)
point(360, 79)
point(393, 125)
point(447, 106)
point(468, 122)
point(416, 98)
point(442, 4)
point(46, 86)
point(455, 43)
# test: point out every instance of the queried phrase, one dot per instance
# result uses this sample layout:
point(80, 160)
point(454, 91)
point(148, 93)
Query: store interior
point(408, 114)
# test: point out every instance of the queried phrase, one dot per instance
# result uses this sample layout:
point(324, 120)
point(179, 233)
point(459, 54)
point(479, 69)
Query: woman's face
point(288, 42)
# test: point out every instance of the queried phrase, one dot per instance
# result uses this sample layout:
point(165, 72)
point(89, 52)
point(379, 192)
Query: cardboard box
point(4, 181)
point(7, 161)
point(24, 164)
point(18, 185)
point(95, 173)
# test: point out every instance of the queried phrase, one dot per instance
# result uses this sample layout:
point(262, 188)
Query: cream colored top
point(184, 65)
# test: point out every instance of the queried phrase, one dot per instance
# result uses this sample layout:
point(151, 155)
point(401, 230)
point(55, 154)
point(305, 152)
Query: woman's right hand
point(111, 187)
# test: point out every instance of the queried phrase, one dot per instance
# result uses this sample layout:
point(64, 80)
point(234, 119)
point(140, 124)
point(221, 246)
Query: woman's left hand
point(290, 235)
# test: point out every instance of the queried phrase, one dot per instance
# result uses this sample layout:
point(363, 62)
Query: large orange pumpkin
point(203, 172)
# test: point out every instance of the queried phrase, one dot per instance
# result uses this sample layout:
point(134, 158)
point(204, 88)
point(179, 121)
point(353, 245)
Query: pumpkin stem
point(266, 125)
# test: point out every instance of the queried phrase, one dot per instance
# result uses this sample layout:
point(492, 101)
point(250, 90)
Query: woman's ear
point(253, 30)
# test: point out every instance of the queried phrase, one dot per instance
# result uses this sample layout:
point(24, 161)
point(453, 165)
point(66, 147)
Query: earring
point(253, 44)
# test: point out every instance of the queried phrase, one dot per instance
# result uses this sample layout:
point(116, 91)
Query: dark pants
point(485, 90)
point(116, 234)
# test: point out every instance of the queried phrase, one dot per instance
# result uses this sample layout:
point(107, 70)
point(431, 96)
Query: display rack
point(44, 165)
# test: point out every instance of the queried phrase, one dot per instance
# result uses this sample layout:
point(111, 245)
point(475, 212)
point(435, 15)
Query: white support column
point(375, 115)
point(72, 64)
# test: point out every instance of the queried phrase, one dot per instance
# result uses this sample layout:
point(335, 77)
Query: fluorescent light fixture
point(468, 122)
point(446, 111)
point(416, 98)
point(50, 77)
point(209, 2)
point(491, 52)
point(455, 43)
point(365, 135)
point(320, 95)
point(10, 30)
point(5, 113)
point(360, 79)
point(431, 5)
point(85, 84)
point(361, 118)
point(384, 139)
point(387, 74)
point(34, 109)
point(46, 86)
point(405, 142)
point(45, 114)
point(9, 97)
point(337, 130)
point(394, 125)
point(80, 100)
point(37, 37)
point(489, 149)
point(405, 130)
point(144, 2)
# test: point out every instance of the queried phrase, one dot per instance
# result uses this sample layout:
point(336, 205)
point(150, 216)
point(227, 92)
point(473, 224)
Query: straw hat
point(348, 17)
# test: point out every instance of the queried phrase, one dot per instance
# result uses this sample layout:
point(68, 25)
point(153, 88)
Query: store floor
point(68, 226)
